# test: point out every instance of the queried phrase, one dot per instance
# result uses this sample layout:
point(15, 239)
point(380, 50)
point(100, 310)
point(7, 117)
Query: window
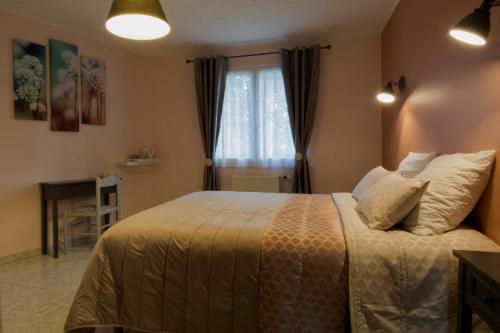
point(255, 128)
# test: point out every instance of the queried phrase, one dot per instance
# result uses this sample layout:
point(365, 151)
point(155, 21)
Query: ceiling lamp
point(137, 19)
point(387, 96)
point(474, 29)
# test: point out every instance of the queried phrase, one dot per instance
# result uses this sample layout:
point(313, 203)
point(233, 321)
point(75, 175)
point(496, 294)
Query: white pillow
point(456, 184)
point(414, 163)
point(389, 200)
point(368, 180)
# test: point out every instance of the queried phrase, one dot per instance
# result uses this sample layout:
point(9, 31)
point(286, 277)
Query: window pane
point(275, 136)
point(255, 130)
point(237, 125)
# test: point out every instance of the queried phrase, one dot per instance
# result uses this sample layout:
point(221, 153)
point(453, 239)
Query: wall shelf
point(140, 162)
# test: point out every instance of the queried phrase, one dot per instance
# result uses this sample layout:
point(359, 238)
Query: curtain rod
point(326, 47)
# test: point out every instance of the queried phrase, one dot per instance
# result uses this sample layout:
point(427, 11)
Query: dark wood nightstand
point(478, 289)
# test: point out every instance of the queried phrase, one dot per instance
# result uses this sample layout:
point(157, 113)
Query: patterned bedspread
point(303, 281)
point(400, 282)
point(219, 262)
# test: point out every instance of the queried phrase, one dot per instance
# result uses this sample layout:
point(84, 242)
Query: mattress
point(219, 262)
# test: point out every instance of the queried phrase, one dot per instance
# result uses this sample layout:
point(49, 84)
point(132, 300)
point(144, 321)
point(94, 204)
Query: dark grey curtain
point(300, 68)
point(210, 77)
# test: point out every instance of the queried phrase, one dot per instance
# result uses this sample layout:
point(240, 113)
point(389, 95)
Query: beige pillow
point(414, 163)
point(456, 184)
point(389, 200)
point(368, 180)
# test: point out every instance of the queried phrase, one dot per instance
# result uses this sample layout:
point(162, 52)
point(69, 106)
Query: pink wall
point(347, 137)
point(452, 103)
point(32, 153)
point(346, 142)
point(152, 101)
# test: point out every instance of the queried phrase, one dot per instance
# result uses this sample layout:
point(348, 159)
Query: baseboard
point(20, 256)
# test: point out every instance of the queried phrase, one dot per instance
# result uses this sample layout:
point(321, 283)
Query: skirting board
point(20, 256)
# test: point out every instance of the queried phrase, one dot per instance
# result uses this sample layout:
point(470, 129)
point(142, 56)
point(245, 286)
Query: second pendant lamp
point(137, 19)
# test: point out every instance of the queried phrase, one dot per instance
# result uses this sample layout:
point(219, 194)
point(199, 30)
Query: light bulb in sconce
point(386, 98)
point(474, 29)
point(468, 37)
point(387, 95)
point(137, 19)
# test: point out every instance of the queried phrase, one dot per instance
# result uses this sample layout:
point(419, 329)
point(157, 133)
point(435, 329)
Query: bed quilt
point(219, 262)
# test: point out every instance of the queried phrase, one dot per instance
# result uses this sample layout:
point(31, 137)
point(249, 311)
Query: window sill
point(251, 164)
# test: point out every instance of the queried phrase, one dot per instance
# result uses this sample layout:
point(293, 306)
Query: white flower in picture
point(29, 81)
point(71, 63)
point(93, 91)
point(64, 83)
point(27, 93)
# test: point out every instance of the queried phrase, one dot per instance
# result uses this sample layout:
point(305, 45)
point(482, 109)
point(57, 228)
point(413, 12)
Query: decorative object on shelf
point(387, 95)
point(63, 83)
point(147, 152)
point(30, 90)
point(93, 93)
point(137, 19)
point(145, 157)
point(474, 29)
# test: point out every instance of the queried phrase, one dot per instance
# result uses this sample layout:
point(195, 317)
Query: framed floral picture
point(93, 77)
point(63, 84)
point(30, 90)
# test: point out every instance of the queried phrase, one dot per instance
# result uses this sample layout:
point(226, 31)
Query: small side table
point(478, 289)
point(59, 190)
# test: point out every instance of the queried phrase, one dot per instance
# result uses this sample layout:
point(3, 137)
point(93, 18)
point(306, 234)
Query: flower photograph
point(93, 76)
point(30, 92)
point(63, 82)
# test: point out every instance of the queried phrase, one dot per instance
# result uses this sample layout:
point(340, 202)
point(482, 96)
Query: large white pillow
point(368, 180)
point(414, 163)
point(389, 200)
point(456, 184)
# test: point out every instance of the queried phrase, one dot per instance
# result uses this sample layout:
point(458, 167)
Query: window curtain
point(300, 68)
point(210, 79)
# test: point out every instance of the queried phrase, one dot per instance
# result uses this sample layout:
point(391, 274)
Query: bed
point(255, 262)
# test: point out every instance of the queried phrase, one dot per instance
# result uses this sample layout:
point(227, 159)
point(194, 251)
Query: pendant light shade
point(473, 29)
point(137, 19)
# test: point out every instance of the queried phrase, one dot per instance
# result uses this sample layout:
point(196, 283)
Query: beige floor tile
point(37, 293)
point(28, 298)
point(18, 321)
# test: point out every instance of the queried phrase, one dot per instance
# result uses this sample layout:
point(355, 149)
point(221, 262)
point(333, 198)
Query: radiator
point(269, 184)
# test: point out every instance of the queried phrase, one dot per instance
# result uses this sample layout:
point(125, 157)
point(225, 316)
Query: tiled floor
point(37, 293)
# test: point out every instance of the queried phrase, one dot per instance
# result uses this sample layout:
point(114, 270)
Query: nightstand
point(478, 288)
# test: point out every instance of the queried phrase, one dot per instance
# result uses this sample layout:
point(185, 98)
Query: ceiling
point(209, 23)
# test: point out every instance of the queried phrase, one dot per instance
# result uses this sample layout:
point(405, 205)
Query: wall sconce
point(387, 96)
point(474, 29)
